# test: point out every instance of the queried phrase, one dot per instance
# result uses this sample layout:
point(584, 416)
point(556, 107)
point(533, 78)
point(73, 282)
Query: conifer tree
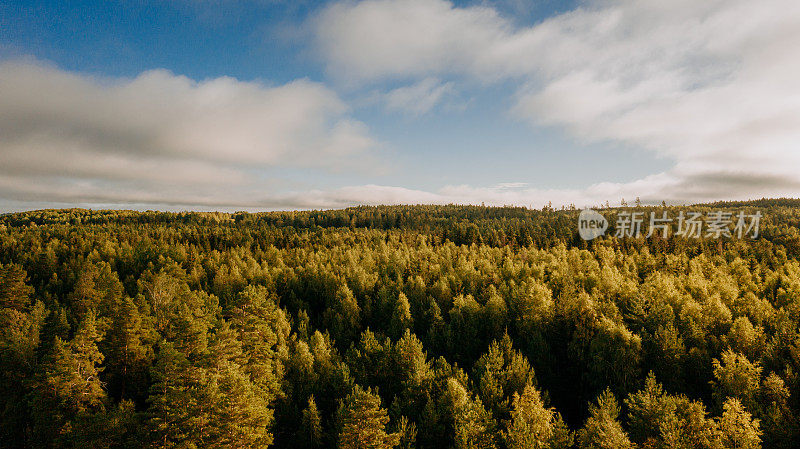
point(735, 376)
point(14, 292)
point(603, 430)
point(401, 316)
point(363, 422)
point(129, 350)
point(778, 420)
point(311, 425)
point(74, 375)
point(344, 317)
point(531, 424)
point(410, 362)
point(407, 432)
point(737, 427)
point(501, 372)
point(20, 336)
point(69, 390)
point(239, 412)
point(171, 402)
point(473, 425)
point(647, 409)
point(263, 329)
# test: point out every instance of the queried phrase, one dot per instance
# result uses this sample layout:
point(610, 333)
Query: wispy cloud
point(419, 98)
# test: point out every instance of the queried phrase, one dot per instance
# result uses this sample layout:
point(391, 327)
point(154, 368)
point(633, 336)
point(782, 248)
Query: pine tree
point(311, 425)
point(737, 428)
point(410, 361)
point(20, 335)
point(344, 316)
point(239, 413)
point(171, 401)
point(647, 409)
point(129, 342)
point(735, 376)
point(531, 424)
point(496, 312)
point(401, 317)
point(501, 372)
point(779, 422)
point(118, 427)
point(407, 432)
point(603, 430)
point(14, 292)
point(75, 372)
point(263, 329)
point(363, 422)
point(686, 428)
point(69, 390)
point(473, 425)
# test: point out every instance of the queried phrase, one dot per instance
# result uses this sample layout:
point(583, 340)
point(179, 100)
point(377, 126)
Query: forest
point(396, 327)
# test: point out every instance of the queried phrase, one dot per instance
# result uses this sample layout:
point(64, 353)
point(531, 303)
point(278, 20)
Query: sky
point(273, 105)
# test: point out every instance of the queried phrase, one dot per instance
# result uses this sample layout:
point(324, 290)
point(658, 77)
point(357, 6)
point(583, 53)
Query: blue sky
point(275, 104)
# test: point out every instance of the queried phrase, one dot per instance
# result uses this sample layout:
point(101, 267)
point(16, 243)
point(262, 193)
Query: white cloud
point(164, 138)
point(713, 85)
point(419, 98)
point(382, 38)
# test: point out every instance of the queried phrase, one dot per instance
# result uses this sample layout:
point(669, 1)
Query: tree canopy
point(395, 327)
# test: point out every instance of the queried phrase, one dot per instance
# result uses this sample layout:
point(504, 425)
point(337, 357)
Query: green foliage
point(737, 428)
point(363, 422)
point(74, 373)
point(659, 420)
point(395, 326)
point(472, 423)
point(311, 425)
point(735, 377)
point(501, 373)
point(532, 425)
point(603, 430)
point(14, 292)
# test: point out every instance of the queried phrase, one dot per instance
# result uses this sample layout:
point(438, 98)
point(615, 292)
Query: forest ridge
point(396, 326)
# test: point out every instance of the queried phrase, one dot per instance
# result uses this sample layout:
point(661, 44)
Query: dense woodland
point(380, 327)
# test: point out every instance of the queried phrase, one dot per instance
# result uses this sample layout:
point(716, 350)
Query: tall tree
point(20, 334)
point(239, 412)
point(737, 427)
point(473, 425)
point(735, 376)
point(74, 375)
point(401, 316)
point(532, 425)
point(647, 410)
point(263, 329)
point(69, 390)
point(501, 372)
point(311, 425)
point(603, 429)
point(363, 422)
point(171, 401)
point(14, 292)
point(129, 350)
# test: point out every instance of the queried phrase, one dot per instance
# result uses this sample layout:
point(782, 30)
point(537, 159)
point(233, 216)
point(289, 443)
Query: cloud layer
point(712, 85)
point(164, 139)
